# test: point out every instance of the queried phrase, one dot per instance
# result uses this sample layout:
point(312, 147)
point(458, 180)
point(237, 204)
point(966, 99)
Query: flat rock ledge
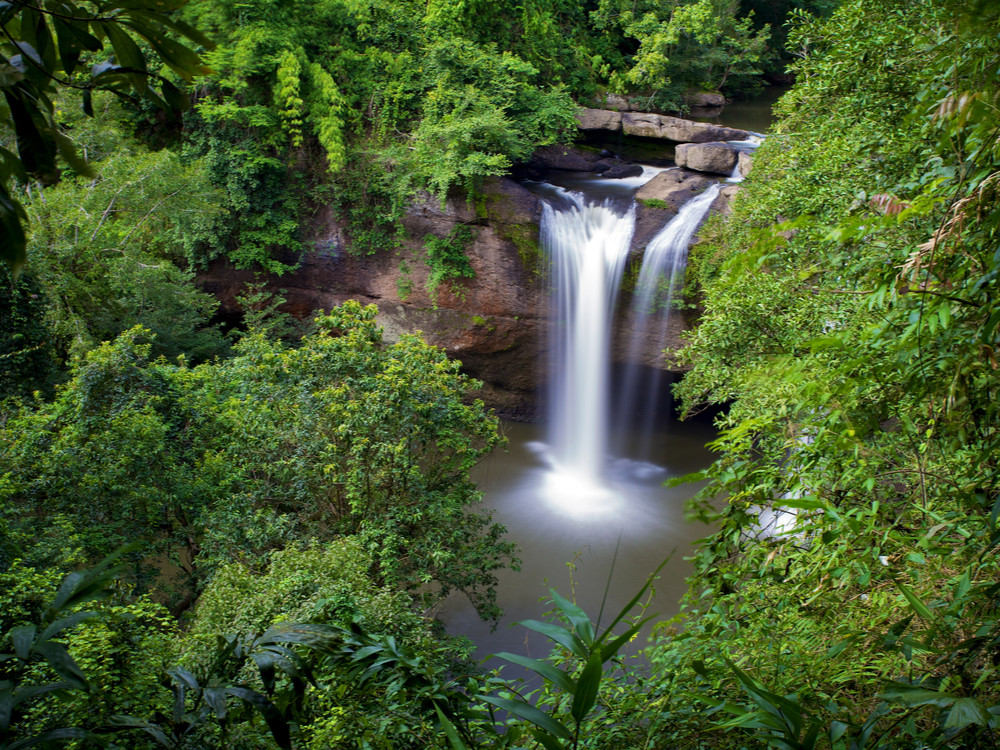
point(648, 125)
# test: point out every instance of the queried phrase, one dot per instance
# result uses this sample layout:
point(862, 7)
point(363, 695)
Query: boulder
point(704, 99)
point(648, 125)
point(560, 156)
point(722, 204)
point(616, 169)
point(718, 158)
point(598, 119)
point(613, 101)
point(659, 200)
point(704, 113)
point(744, 162)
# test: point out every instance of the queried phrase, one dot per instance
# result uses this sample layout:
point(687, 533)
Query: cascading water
point(587, 244)
point(662, 269)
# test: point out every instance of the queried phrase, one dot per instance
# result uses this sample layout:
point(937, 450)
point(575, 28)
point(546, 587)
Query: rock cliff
point(495, 323)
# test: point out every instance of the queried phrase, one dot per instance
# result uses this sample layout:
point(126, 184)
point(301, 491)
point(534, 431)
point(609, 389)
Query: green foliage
point(325, 584)
point(383, 446)
point(682, 45)
point(46, 49)
point(562, 715)
point(482, 112)
point(853, 341)
point(26, 351)
point(447, 259)
point(417, 96)
point(343, 435)
point(36, 645)
point(109, 454)
point(359, 693)
point(107, 253)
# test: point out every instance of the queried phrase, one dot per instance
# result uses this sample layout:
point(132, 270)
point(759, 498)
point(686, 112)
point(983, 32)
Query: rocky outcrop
point(718, 158)
point(649, 125)
point(678, 129)
point(561, 156)
point(575, 159)
point(704, 99)
point(659, 200)
point(599, 119)
point(496, 323)
point(614, 101)
point(492, 323)
point(745, 162)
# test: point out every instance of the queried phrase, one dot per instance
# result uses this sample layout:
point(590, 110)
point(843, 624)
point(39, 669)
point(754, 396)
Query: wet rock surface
point(717, 158)
point(659, 200)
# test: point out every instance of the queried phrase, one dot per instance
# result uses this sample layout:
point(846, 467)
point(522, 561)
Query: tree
point(44, 49)
point(851, 326)
point(228, 461)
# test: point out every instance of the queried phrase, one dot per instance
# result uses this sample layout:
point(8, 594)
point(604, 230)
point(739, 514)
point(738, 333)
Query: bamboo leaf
point(587, 686)
point(548, 671)
point(579, 619)
point(559, 634)
point(918, 606)
point(449, 730)
point(529, 713)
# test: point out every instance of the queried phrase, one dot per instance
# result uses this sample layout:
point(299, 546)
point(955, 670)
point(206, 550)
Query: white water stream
point(588, 244)
point(660, 277)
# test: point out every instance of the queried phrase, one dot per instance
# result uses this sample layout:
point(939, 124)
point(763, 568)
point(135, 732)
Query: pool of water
point(595, 551)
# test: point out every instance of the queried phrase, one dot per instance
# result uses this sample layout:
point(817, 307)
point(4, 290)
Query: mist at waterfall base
point(576, 555)
point(584, 495)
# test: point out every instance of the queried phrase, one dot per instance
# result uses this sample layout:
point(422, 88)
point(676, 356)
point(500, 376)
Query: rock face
point(599, 119)
point(493, 323)
point(718, 158)
point(678, 129)
point(565, 157)
point(496, 323)
point(745, 163)
point(615, 101)
point(704, 99)
point(659, 200)
point(649, 125)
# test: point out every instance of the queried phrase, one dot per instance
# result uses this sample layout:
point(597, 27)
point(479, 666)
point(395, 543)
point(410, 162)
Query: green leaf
point(57, 656)
point(280, 730)
point(579, 619)
point(181, 60)
point(53, 735)
point(916, 696)
point(529, 713)
point(449, 730)
point(13, 243)
point(967, 711)
point(559, 634)
point(918, 606)
point(611, 647)
point(64, 624)
point(587, 686)
point(23, 637)
point(127, 52)
point(546, 740)
point(548, 671)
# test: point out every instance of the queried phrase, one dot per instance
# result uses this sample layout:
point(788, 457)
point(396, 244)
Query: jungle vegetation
point(231, 539)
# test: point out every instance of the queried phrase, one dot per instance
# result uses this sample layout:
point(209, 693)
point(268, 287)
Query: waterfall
point(587, 244)
point(662, 270)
